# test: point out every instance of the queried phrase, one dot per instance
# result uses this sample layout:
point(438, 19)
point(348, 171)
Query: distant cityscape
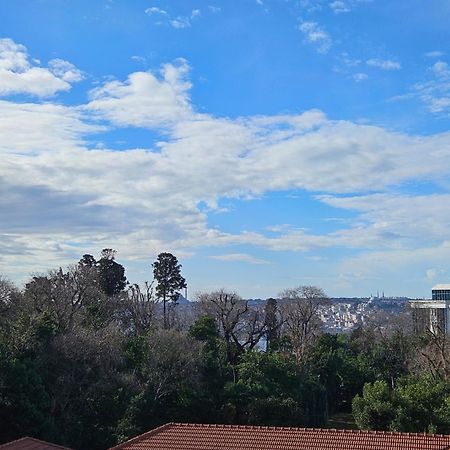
point(344, 314)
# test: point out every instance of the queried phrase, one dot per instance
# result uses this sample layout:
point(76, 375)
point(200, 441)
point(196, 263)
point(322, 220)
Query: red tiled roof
point(28, 443)
point(184, 436)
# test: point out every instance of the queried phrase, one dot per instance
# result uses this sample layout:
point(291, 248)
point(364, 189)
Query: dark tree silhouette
point(111, 274)
point(272, 323)
point(167, 273)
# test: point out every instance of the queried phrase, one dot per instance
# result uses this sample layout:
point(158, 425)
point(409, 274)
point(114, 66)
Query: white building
point(433, 315)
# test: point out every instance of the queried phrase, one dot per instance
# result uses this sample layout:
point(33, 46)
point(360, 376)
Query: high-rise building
point(433, 314)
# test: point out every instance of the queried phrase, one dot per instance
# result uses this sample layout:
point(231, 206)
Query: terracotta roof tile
point(28, 443)
point(183, 436)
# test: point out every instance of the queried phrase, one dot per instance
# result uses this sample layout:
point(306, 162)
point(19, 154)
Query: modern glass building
point(441, 292)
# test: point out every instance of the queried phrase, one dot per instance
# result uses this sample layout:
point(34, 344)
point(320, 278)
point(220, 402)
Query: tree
point(215, 371)
point(165, 376)
point(374, 410)
point(228, 309)
point(167, 273)
point(272, 323)
point(302, 323)
point(342, 372)
point(111, 274)
point(271, 390)
point(140, 305)
point(417, 405)
point(60, 296)
point(87, 261)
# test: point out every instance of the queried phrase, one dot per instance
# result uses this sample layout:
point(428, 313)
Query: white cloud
point(145, 100)
point(179, 22)
point(435, 92)
point(384, 64)
point(434, 54)
point(240, 257)
point(49, 129)
point(185, 21)
point(139, 59)
point(388, 266)
point(65, 70)
point(77, 198)
point(316, 35)
point(348, 61)
point(434, 273)
point(441, 69)
point(345, 6)
point(392, 220)
point(215, 9)
point(339, 6)
point(19, 76)
point(156, 10)
point(360, 76)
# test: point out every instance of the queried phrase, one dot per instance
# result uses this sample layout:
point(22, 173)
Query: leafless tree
point(66, 294)
point(241, 326)
point(433, 356)
point(140, 308)
point(300, 308)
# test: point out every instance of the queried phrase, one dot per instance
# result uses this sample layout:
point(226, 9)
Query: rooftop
point(183, 436)
point(441, 287)
point(28, 443)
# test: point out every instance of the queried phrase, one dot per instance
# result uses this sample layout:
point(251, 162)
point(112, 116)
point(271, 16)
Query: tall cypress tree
point(167, 273)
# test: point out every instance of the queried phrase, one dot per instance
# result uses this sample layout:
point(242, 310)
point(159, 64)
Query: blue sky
point(266, 143)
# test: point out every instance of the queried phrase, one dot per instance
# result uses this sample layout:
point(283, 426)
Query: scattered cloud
point(435, 92)
point(139, 59)
point(215, 9)
point(179, 22)
point(380, 265)
point(441, 69)
point(360, 76)
point(155, 10)
point(83, 197)
point(240, 257)
point(20, 76)
point(316, 35)
point(339, 6)
point(65, 70)
point(434, 54)
point(384, 64)
point(348, 61)
point(434, 273)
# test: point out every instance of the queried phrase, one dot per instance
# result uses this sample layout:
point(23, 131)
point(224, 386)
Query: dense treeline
point(88, 360)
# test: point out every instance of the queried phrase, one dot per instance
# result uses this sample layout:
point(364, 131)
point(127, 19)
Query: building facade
point(433, 314)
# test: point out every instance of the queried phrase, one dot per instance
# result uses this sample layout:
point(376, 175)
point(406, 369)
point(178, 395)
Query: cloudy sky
point(266, 143)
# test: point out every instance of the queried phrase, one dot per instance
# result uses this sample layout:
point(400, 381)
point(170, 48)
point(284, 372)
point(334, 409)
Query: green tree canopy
point(167, 273)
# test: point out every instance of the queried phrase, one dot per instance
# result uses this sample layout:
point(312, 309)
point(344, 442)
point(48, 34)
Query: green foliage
point(271, 391)
point(111, 274)
point(374, 410)
point(342, 372)
point(24, 401)
point(272, 324)
point(415, 405)
point(167, 273)
point(74, 370)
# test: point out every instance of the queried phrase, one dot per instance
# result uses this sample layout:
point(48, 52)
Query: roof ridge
point(7, 444)
point(181, 435)
point(143, 436)
point(309, 429)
